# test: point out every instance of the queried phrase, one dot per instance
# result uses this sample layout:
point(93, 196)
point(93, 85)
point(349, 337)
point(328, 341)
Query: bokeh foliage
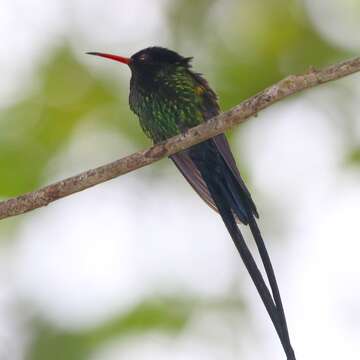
point(41, 124)
point(161, 315)
point(168, 315)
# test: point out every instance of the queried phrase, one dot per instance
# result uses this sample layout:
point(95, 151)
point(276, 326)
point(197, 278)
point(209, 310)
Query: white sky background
point(79, 267)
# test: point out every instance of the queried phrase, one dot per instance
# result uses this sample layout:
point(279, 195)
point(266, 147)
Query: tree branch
point(250, 107)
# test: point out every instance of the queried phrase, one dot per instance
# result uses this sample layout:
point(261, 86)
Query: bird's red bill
point(119, 58)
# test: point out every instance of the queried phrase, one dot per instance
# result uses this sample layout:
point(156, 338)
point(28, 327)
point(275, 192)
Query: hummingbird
point(169, 97)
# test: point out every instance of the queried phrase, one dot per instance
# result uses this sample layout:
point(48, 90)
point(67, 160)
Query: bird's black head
point(156, 57)
point(150, 60)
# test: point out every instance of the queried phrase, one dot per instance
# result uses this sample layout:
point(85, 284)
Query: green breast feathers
point(170, 102)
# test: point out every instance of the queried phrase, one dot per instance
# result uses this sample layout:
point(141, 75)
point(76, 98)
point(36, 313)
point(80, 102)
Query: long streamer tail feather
point(271, 276)
point(233, 201)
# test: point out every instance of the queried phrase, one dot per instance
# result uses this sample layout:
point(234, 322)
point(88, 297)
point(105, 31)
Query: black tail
point(272, 280)
point(231, 199)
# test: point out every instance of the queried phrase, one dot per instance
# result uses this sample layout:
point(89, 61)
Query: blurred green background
point(138, 268)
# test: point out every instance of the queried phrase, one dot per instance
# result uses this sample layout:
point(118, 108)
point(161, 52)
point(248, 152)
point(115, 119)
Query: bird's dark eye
point(143, 57)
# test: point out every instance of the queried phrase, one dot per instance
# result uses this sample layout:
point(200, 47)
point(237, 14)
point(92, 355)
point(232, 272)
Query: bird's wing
point(182, 160)
point(186, 166)
point(192, 175)
point(224, 149)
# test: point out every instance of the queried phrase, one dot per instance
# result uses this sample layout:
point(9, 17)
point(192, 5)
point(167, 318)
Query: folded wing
point(186, 166)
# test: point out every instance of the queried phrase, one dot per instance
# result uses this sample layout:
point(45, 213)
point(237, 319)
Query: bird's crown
point(156, 55)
